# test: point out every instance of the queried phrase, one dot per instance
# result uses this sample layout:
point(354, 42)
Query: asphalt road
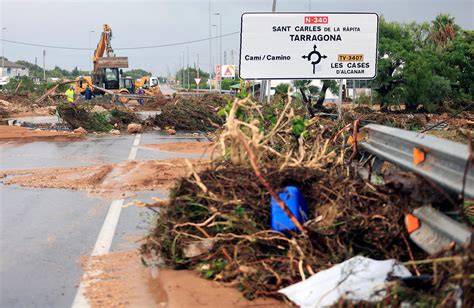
point(166, 89)
point(44, 232)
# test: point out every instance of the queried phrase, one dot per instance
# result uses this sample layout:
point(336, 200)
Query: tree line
point(428, 64)
point(57, 72)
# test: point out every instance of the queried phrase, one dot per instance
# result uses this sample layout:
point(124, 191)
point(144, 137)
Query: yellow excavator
point(107, 71)
point(149, 84)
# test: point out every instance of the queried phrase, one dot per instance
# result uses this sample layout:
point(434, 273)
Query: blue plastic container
point(296, 203)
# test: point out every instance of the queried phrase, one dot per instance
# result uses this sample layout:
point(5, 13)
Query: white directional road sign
point(308, 45)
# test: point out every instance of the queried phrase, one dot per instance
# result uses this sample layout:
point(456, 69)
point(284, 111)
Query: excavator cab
point(127, 83)
point(154, 81)
point(111, 78)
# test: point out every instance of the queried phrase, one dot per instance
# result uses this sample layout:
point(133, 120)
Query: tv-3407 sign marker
point(308, 45)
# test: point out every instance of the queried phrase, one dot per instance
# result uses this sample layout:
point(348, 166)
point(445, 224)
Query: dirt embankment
point(23, 134)
point(119, 279)
point(20, 105)
point(108, 180)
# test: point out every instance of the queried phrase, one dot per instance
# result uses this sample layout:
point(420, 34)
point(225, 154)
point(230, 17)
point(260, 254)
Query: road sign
point(308, 45)
point(228, 71)
point(197, 81)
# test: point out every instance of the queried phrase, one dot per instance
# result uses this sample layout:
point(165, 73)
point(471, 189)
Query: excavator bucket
point(112, 62)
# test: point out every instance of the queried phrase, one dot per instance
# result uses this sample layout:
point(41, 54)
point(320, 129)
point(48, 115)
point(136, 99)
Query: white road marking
point(134, 150)
point(106, 234)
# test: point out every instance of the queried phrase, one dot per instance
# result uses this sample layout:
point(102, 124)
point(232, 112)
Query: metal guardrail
point(441, 160)
point(437, 230)
point(202, 91)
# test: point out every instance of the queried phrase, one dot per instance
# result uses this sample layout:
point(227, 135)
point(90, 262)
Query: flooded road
point(45, 232)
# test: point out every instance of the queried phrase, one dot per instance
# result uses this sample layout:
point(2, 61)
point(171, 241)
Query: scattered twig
point(452, 116)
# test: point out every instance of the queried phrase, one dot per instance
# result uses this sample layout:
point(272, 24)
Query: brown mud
point(119, 279)
point(107, 180)
point(23, 134)
point(183, 147)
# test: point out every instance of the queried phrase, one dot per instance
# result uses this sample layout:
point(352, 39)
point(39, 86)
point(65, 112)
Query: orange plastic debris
point(350, 140)
point(359, 137)
point(419, 156)
point(412, 223)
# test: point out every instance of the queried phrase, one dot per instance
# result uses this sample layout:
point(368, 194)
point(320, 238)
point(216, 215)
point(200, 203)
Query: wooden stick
point(355, 131)
point(47, 93)
point(438, 260)
point(18, 86)
point(410, 254)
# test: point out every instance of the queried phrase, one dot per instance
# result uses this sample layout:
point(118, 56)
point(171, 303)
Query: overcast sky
point(156, 22)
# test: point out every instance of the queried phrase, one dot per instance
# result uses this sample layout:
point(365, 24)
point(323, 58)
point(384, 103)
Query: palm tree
point(309, 91)
point(327, 84)
point(306, 93)
point(443, 29)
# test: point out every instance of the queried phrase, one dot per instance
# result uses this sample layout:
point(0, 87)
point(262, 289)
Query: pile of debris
point(19, 104)
point(219, 221)
point(95, 117)
point(154, 103)
point(192, 113)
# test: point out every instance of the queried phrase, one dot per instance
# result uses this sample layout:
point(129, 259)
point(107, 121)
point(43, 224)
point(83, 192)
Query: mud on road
point(119, 279)
point(106, 180)
point(23, 134)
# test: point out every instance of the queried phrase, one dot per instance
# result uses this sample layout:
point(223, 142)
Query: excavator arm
point(104, 56)
point(103, 45)
point(106, 73)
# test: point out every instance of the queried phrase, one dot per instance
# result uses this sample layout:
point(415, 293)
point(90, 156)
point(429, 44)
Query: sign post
point(218, 77)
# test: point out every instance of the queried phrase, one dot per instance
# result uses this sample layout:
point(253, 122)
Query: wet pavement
point(166, 89)
point(44, 232)
point(34, 120)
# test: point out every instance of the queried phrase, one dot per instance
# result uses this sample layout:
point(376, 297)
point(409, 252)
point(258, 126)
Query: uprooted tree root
point(355, 219)
point(218, 220)
point(83, 115)
point(192, 113)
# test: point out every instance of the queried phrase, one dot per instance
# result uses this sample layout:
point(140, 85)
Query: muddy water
point(120, 280)
point(185, 289)
point(184, 147)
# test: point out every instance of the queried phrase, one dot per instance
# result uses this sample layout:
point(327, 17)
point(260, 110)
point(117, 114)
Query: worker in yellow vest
point(70, 95)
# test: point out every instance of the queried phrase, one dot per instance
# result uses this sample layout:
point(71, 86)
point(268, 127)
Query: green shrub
point(26, 87)
point(227, 83)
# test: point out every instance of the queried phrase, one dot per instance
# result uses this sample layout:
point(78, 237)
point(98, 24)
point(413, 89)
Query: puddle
point(120, 279)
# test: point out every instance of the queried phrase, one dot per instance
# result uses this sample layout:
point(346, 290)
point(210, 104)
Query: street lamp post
point(220, 50)
point(217, 57)
point(187, 66)
point(182, 73)
point(210, 49)
point(3, 50)
point(90, 51)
